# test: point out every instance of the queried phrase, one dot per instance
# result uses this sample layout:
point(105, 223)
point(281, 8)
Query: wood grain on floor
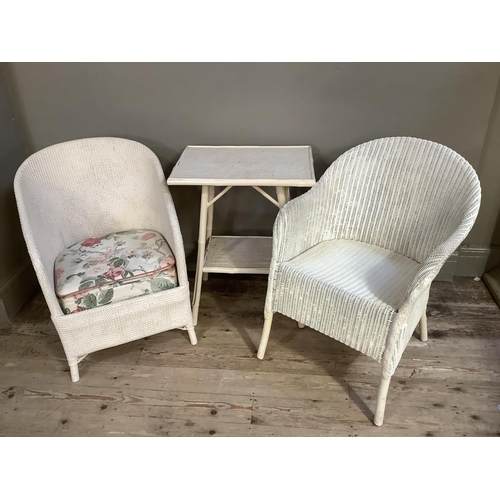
point(308, 385)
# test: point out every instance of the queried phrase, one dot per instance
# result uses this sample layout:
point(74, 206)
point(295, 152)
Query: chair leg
point(73, 368)
point(192, 335)
point(265, 335)
point(381, 400)
point(423, 328)
point(301, 325)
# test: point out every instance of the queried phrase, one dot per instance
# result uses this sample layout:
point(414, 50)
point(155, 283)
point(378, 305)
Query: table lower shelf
point(239, 255)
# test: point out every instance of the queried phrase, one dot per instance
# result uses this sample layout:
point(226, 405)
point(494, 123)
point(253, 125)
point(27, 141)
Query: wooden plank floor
point(308, 385)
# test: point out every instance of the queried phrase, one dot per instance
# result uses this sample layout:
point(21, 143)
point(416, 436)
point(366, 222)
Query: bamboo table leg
point(202, 234)
point(281, 193)
point(210, 220)
point(287, 194)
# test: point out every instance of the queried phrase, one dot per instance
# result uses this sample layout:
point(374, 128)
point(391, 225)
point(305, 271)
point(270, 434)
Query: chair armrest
point(300, 224)
point(161, 215)
point(171, 231)
point(400, 331)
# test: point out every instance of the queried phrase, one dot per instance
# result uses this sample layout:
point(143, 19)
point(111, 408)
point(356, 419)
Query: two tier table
point(226, 166)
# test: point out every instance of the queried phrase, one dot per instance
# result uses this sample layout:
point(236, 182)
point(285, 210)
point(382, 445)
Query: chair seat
point(347, 289)
point(112, 268)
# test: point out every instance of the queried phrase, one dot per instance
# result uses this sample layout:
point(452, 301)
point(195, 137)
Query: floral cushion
point(111, 268)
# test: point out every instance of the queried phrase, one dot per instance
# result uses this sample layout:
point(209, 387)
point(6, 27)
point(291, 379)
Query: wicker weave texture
point(410, 197)
point(91, 187)
point(360, 285)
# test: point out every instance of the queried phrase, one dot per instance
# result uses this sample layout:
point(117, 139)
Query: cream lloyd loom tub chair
point(79, 191)
point(355, 256)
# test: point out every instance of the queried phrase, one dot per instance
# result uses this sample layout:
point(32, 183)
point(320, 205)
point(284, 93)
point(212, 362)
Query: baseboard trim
point(470, 260)
point(475, 260)
point(16, 291)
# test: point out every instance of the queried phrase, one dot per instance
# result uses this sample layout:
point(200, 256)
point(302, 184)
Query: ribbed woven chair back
point(83, 188)
point(404, 194)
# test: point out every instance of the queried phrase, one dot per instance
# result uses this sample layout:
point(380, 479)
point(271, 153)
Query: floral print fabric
point(115, 267)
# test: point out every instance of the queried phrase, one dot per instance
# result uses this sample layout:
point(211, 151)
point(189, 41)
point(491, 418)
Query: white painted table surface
point(255, 166)
point(244, 166)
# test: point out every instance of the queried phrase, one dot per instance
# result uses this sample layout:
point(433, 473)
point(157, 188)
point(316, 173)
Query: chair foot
point(205, 277)
point(265, 335)
point(381, 400)
point(301, 325)
point(195, 315)
point(73, 368)
point(192, 336)
point(423, 328)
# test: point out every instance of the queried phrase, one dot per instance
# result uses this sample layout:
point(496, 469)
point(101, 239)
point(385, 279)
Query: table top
point(244, 166)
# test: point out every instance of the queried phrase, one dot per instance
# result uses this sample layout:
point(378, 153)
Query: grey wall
point(331, 106)
point(14, 266)
point(487, 228)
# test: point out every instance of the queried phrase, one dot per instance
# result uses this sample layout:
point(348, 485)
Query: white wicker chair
point(91, 187)
point(355, 256)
